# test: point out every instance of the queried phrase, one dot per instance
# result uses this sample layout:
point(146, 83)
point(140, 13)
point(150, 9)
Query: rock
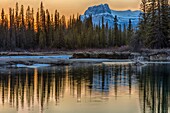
point(104, 55)
point(138, 63)
point(159, 56)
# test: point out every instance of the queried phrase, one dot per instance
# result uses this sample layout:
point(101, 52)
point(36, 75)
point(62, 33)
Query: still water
point(101, 88)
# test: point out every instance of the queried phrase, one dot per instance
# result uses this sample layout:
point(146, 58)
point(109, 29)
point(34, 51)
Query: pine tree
point(156, 21)
point(28, 28)
point(141, 34)
point(124, 35)
point(33, 35)
point(110, 38)
point(103, 34)
point(57, 16)
point(129, 32)
point(2, 17)
point(22, 35)
point(6, 32)
point(116, 30)
point(151, 43)
point(52, 28)
point(37, 27)
point(49, 29)
point(120, 35)
point(56, 29)
point(11, 39)
point(2, 30)
point(62, 30)
point(42, 37)
point(165, 22)
point(17, 20)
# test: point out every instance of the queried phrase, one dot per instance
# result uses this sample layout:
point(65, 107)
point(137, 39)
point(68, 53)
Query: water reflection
point(31, 88)
point(154, 89)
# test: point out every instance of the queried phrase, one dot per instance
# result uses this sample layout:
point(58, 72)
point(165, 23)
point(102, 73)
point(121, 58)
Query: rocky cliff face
point(103, 10)
point(100, 9)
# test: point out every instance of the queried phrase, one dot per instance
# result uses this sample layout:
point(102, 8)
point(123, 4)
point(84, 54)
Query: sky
point(69, 7)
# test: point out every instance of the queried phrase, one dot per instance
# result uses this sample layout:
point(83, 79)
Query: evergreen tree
point(2, 17)
point(116, 30)
point(48, 25)
point(17, 25)
point(153, 26)
point(20, 30)
point(33, 34)
point(120, 36)
point(56, 29)
point(124, 35)
point(129, 32)
point(22, 35)
point(165, 23)
point(29, 37)
point(62, 31)
point(42, 37)
point(103, 33)
point(2, 30)
point(11, 39)
point(37, 27)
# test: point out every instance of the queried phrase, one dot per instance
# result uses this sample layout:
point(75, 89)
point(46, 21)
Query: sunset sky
point(69, 7)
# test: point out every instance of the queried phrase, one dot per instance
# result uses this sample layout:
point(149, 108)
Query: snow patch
point(103, 10)
point(30, 66)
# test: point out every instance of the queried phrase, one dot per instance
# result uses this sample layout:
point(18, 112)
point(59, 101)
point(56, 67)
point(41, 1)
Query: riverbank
point(17, 59)
point(145, 54)
point(52, 61)
point(59, 52)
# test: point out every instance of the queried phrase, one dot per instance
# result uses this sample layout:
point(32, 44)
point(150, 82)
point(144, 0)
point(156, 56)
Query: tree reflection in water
point(25, 88)
point(154, 88)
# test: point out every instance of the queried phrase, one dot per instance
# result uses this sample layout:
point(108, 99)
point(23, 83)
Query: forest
point(154, 27)
point(26, 29)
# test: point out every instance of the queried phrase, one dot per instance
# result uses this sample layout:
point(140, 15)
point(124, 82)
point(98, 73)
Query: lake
point(86, 88)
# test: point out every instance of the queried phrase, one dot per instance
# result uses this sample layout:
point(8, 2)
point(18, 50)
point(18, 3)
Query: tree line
point(154, 26)
point(28, 29)
point(21, 29)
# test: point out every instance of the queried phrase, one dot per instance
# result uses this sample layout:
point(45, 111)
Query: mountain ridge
point(103, 10)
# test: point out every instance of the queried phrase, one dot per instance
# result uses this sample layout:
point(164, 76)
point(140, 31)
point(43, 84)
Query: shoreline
point(59, 51)
point(55, 58)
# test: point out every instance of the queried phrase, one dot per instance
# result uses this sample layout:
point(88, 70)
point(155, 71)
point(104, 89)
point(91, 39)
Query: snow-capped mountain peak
point(103, 10)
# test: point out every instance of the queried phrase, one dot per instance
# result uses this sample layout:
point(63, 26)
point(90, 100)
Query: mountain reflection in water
point(37, 90)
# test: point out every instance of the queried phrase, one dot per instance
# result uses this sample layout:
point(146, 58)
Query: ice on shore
point(38, 57)
point(30, 66)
